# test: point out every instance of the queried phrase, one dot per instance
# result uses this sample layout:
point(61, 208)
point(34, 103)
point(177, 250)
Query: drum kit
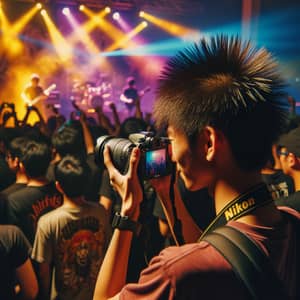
point(89, 94)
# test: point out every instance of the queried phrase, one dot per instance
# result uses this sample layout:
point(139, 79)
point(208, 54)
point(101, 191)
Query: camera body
point(155, 160)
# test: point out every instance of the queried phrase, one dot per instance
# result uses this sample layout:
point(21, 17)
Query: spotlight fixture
point(39, 5)
point(43, 12)
point(81, 7)
point(145, 23)
point(66, 11)
point(116, 16)
point(107, 9)
point(141, 14)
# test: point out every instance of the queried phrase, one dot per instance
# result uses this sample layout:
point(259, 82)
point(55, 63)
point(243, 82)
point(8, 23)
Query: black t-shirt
point(131, 93)
point(13, 188)
point(198, 203)
point(7, 177)
point(279, 184)
point(14, 251)
point(26, 206)
point(292, 201)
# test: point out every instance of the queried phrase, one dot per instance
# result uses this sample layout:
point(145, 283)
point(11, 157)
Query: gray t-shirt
point(73, 241)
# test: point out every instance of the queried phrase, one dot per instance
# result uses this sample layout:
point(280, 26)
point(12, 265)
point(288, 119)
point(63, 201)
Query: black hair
point(17, 146)
point(225, 83)
point(36, 159)
point(72, 174)
point(132, 125)
point(67, 140)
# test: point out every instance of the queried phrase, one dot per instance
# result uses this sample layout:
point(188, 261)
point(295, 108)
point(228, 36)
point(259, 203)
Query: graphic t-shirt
point(74, 241)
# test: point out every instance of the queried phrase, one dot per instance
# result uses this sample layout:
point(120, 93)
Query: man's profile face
point(190, 162)
point(34, 81)
point(284, 160)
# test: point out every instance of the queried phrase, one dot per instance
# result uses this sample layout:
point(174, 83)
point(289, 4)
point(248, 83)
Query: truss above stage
point(179, 7)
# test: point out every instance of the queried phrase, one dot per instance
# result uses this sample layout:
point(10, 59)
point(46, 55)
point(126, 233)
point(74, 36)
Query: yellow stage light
point(39, 5)
point(61, 46)
point(171, 27)
point(141, 14)
point(22, 21)
point(107, 9)
point(121, 42)
point(10, 32)
point(81, 7)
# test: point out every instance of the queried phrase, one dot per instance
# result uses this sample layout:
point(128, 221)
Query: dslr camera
point(155, 160)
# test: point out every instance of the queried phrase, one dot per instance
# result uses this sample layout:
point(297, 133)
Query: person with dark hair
point(289, 154)
point(13, 158)
point(279, 184)
point(40, 196)
point(220, 101)
point(76, 139)
point(7, 177)
point(17, 277)
point(71, 240)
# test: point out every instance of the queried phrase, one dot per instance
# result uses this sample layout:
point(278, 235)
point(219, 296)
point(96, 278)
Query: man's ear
point(293, 161)
point(16, 162)
point(58, 187)
point(211, 140)
point(21, 167)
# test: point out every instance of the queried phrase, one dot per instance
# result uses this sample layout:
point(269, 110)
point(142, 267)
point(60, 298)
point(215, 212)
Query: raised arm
point(108, 285)
point(88, 138)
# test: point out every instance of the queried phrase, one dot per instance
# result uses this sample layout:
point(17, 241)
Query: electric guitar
point(124, 99)
point(43, 96)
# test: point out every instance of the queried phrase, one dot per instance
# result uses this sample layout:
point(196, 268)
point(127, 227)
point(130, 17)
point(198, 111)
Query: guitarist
point(130, 95)
point(33, 93)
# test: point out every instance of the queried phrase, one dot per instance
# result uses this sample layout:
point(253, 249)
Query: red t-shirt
point(198, 271)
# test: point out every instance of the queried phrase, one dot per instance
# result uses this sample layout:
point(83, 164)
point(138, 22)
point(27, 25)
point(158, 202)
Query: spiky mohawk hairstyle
point(225, 83)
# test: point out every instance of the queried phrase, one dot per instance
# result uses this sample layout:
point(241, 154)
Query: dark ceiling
point(177, 7)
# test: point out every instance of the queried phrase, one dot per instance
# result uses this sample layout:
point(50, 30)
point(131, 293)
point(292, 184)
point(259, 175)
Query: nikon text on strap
point(255, 197)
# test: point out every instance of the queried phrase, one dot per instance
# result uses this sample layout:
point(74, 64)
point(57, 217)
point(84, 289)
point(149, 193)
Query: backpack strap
point(249, 263)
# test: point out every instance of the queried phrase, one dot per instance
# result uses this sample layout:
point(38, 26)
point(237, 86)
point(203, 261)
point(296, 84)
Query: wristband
point(124, 223)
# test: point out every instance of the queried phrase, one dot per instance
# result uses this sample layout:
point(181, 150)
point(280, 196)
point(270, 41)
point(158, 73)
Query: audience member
point(279, 184)
point(13, 157)
point(40, 196)
point(17, 277)
point(71, 240)
point(289, 154)
point(213, 98)
point(75, 138)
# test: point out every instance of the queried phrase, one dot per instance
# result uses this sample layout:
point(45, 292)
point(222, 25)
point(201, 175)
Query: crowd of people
point(74, 226)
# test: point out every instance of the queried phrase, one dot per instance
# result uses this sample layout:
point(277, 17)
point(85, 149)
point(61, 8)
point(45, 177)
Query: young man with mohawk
point(220, 101)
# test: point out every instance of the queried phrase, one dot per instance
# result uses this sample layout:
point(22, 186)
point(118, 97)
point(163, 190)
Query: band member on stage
point(33, 92)
point(33, 95)
point(130, 95)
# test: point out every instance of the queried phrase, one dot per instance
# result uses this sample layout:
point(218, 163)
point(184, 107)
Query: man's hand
point(128, 185)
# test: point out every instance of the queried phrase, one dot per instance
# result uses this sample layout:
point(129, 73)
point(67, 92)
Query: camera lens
point(120, 150)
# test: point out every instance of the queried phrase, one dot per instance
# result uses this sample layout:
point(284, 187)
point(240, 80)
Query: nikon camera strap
point(250, 264)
